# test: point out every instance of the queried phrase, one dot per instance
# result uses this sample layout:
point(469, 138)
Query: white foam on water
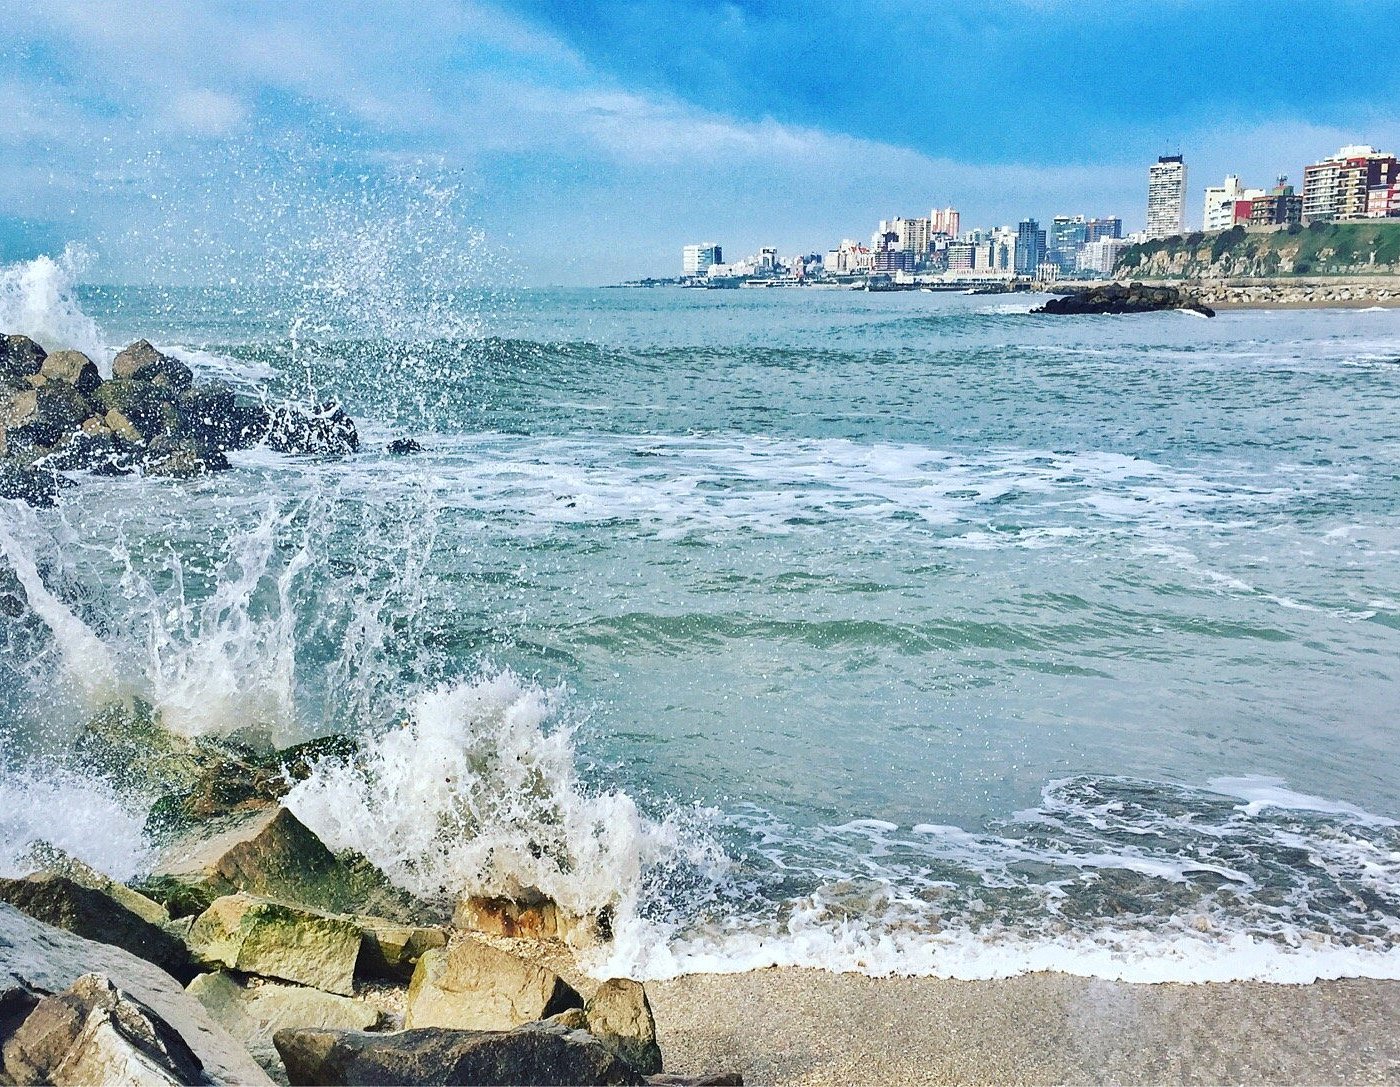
point(473, 793)
point(38, 299)
point(80, 815)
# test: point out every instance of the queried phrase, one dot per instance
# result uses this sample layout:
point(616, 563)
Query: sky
point(584, 142)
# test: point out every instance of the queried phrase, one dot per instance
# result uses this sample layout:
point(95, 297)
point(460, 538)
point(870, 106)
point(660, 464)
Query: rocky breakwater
point(253, 953)
point(58, 415)
point(1125, 298)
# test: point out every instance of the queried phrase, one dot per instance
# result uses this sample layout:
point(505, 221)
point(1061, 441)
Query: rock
point(94, 1033)
point(719, 1079)
point(92, 448)
point(38, 959)
point(142, 362)
point(59, 412)
point(44, 857)
point(214, 417)
point(572, 1018)
point(531, 916)
point(17, 405)
point(474, 986)
point(74, 368)
point(620, 1015)
point(1120, 298)
point(401, 446)
point(272, 854)
point(121, 426)
point(62, 902)
point(125, 742)
point(390, 950)
point(20, 356)
point(536, 1054)
point(252, 1014)
point(326, 430)
point(259, 936)
point(181, 458)
point(36, 486)
point(143, 410)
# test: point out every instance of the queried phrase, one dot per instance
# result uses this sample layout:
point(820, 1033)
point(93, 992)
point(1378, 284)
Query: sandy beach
point(807, 1027)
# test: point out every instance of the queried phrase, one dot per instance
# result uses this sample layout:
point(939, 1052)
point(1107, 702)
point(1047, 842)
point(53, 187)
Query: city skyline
point(764, 124)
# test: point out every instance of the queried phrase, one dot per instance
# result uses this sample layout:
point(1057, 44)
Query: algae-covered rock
point(94, 1033)
point(272, 854)
point(59, 901)
point(125, 742)
point(44, 857)
point(540, 1053)
point(20, 356)
point(474, 986)
point(272, 939)
point(619, 1013)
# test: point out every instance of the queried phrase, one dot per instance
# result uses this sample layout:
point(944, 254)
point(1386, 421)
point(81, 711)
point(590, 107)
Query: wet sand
point(791, 1027)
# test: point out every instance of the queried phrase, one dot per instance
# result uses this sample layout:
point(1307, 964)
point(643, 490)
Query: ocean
point(896, 633)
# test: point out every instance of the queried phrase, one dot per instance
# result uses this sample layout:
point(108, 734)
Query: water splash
point(38, 299)
point(473, 794)
point(80, 815)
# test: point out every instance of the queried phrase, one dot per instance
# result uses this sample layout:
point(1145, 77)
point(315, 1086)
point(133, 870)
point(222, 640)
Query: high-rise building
point(1339, 187)
point(1098, 257)
point(1228, 204)
point(1166, 197)
point(1108, 227)
point(945, 221)
point(1030, 247)
point(1067, 234)
point(1383, 201)
point(1003, 256)
point(697, 259)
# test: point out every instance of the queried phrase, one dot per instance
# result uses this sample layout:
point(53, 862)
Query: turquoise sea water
point(907, 632)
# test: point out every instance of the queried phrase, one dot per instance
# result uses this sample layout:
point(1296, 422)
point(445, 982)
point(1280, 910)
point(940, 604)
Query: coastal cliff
point(1320, 249)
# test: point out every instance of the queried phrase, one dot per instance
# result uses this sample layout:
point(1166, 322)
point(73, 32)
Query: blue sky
point(587, 141)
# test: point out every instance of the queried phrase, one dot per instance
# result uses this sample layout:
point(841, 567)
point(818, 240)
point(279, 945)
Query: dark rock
point(36, 486)
point(97, 450)
point(1121, 298)
point(215, 417)
point(142, 362)
point(43, 960)
point(62, 902)
point(20, 356)
point(181, 458)
point(59, 412)
point(148, 408)
point(326, 430)
point(74, 368)
point(719, 1079)
point(535, 1054)
point(401, 446)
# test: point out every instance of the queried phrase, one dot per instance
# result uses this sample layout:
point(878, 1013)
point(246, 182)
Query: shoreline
point(791, 1027)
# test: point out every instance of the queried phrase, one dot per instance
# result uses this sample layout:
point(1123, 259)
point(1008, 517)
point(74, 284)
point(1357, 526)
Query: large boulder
point(138, 410)
point(181, 458)
point(215, 417)
point(142, 362)
point(1121, 298)
point(272, 854)
point(271, 939)
point(619, 1013)
point(37, 960)
point(20, 356)
point(253, 1013)
point(474, 986)
point(60, 901)
point(94, 1033)
point(326, 430)
point(45, 858)
point(73, 368)
point(541, 1053)
point(59, 412)
point(126, 742)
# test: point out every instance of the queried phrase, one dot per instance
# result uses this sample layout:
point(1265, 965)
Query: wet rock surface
point(57, 414)
point(472, 985)
point(1125, 298)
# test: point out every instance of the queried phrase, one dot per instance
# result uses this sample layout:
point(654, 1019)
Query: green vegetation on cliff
point(1353, 248)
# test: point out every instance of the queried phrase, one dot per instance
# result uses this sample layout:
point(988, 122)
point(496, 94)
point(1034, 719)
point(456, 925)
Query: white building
point(850, 258)
point(696, 260)
point(1218, 212)
point(1166, 197)
point(1099, 257)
